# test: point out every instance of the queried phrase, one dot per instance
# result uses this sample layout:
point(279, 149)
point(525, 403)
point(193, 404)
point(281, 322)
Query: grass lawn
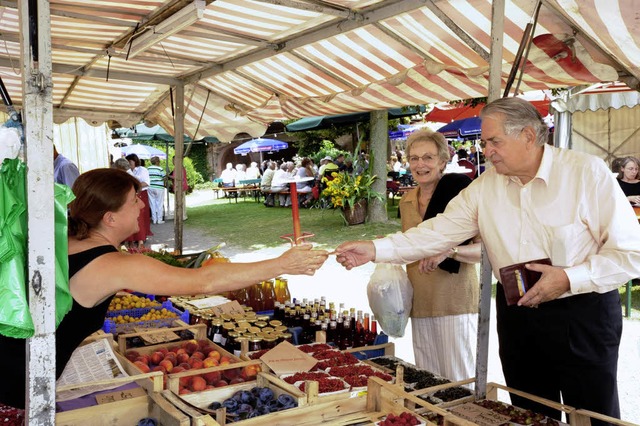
point(251, 225)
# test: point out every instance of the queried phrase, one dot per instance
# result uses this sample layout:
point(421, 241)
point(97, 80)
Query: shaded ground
point(339, 285)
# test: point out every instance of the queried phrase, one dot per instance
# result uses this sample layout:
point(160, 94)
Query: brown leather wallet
point(517, 280)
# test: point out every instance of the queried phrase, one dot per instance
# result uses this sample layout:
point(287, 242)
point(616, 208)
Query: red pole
point(295, 213)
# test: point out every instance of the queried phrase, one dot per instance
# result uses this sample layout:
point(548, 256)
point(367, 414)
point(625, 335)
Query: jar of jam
point(232, 341)
point(269, 342)
point(255, 344)
point(227, 328)
point(238, 344)
point(275, 323)
point(215, 332)
point(260, 324)
point(287, 337)
point(195, 318)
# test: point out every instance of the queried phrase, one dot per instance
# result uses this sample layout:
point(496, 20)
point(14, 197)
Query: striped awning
point(246, 63)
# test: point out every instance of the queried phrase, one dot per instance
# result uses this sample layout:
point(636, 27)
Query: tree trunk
point(378, 154)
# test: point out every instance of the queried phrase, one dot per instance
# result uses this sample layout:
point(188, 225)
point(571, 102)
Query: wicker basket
point(356, 214)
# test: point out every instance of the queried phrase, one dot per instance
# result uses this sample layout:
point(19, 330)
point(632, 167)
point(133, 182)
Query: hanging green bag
point(63, 196)
point(15, 318)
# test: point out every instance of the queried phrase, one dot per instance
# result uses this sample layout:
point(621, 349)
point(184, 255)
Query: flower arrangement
point(344, 190)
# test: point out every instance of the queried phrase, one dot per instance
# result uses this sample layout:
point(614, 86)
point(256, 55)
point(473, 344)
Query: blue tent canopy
point(467, 128)
point(260, 145)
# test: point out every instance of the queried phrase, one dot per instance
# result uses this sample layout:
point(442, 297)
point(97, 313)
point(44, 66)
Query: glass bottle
point(373, 333)
point(269, 295)
point(317, 327)
point(332, 333)
point(256, 298)
point(367, 331)
point(359, 339)
point(346, 342)
point(339, 329)
point(241, 295)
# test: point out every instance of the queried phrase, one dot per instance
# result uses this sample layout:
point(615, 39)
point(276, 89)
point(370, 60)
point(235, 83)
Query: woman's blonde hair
point(427, 135)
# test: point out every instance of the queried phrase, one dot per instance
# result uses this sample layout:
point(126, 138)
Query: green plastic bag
point(15, 318)
point(63, 196)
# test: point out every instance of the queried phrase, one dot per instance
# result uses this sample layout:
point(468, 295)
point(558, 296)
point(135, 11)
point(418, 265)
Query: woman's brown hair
point(97, 192)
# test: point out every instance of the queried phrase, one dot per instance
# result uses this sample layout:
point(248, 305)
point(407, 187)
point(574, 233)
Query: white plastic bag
point(390, 293)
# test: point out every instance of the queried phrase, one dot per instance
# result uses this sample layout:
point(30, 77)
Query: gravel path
point(339, 285)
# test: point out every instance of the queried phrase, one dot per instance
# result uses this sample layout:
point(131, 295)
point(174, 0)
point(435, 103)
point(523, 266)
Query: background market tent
point(603, 121)
point(155, 133)
point(444, 113)
point(467, 128)
point(327, 121)
point(144, 152)
point(260, 145)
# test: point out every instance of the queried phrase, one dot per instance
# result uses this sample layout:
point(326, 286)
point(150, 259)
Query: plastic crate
point(110, 325)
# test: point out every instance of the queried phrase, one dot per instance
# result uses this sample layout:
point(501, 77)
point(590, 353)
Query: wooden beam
point(314, 7)
point(466, 38)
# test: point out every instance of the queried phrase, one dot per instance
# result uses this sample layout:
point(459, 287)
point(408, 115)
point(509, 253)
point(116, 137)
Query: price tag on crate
point(158, 336)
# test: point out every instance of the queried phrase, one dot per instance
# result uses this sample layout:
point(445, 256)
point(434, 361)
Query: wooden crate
point(583, 418)
point(383, 398)
point(199, 401)
point(199, 331)
point(125, 411)
point(174, 379)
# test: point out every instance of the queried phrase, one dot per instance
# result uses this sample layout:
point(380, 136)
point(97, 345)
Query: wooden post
point(37, 86)
point(495, 80)
point(178, 167)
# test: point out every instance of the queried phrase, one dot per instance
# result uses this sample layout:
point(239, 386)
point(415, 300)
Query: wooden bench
point(266, 192)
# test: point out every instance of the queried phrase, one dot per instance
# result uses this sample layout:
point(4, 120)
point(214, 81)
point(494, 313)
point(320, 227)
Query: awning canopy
point(326, 121)
point(246, 63)
point(156, 133)
point(448, 113)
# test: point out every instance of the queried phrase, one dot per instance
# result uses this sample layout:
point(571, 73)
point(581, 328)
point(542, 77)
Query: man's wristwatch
point(454, 253)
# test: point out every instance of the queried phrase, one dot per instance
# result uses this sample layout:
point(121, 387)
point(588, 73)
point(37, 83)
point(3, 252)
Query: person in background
point(444, 315)
point(280, 183)
point(475, 156)
point(144, 228)
point(121, 164)
point(629, 179)
point(304, 188)
point(156, 190)
point(104, 212)
point(228, 176)
point(241, 174)
point(560, 341)
point(64, 171)
point(339, 161)
point(328, 165)
point(253, 172)
point(265, 184)
point(463, 161)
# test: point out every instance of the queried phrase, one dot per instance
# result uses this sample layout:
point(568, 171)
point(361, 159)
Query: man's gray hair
point(518, 114)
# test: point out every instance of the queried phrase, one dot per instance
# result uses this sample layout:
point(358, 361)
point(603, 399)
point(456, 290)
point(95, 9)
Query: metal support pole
point(37, 86)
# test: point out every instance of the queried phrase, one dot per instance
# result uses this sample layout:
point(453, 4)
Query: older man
point(540, 202)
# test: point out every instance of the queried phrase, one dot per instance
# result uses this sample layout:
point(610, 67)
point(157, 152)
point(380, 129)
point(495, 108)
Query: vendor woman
point(104, 213)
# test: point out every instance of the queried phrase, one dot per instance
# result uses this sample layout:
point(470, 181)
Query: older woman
point(105, 212)
point(445, 287)
point(144, 228)
point(629, 179)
